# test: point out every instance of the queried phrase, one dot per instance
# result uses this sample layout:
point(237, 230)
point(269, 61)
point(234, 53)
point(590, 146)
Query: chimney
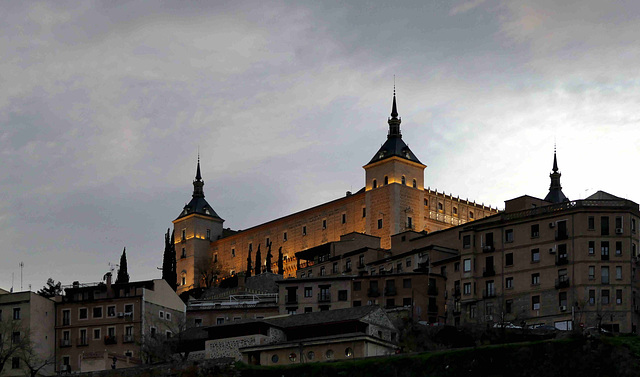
point(107, 277)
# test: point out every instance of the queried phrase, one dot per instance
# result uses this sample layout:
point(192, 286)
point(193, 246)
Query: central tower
point(394, 186)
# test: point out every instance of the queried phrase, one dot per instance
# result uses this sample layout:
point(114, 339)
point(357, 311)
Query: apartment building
point(101, 324)
point(26, 325)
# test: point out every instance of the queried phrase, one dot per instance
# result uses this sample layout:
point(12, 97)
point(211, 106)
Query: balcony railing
point(373, 292)
point(488, 271)
point(562, 260)
point(488, 248)
point(347, 269)
point(128, 338)
point(562, 282)
point(561, 235)
point(65, 342)
point(488, 293)
point(432, 290)
point(455, 292)
point(110, 339)
point(361, 265)
point(390, 291)
point(324, 297)
point(83, 342)
point(290, 299)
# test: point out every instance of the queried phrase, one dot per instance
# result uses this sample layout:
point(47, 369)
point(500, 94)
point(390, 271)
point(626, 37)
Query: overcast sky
point(103, 106)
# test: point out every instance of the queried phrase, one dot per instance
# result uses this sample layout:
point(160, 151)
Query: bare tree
point(34, 361)
point(164, 345)
point(210, 271)
point(14, 340)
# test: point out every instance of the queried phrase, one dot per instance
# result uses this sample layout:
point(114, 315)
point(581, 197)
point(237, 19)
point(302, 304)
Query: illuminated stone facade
point(393, 200)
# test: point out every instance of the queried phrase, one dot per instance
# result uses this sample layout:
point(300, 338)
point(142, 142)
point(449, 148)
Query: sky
point(104, 106)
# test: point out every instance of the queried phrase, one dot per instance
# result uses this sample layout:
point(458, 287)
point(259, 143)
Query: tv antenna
point(21, 264)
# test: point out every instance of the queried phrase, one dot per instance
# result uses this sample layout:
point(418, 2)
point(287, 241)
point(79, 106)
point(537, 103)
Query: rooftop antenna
point(113, 266)
point(21, 264)
point(13, 274)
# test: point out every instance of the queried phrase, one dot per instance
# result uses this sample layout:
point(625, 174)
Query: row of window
point(83, 337)
point(403, 180)
point(454, 210)
point(310, 355)
point(97, 312)
point(16, 314)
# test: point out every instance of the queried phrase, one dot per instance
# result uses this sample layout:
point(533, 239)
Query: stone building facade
point(393, 200)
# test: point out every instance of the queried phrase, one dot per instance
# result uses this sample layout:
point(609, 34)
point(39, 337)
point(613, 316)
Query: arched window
point(375, 183)
point(404, 180)
point(183, 278)
point(386, 180)
point(455, 210)
point(471, 214)
point(440, 206)
point(415, 184)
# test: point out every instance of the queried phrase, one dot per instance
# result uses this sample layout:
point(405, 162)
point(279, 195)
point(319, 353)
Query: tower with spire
point(555, 194)
point(195, 228)
point(394, 185)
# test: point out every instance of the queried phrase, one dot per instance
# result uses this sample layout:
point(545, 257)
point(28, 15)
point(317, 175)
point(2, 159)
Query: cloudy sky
point(103, 106)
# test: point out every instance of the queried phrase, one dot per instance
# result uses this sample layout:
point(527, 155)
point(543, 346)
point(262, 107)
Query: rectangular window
point(466, 288)
point(456, 266)
point(592, 296)
point(488, 240)
point(357, 303)
point(535, 302)
point(335, 268)
point(344, 218)
point(304, 230)
point(16, 314)
point(618, 296)
point(167, 316)
point(535, 255)
point(233, 252)
point(357, 286)
point(197, 322)
point(184, 253)
point(208, 234)
point(562, 299)
point(604, 275)
point(111, 311)
point(308, 291)
point(472, 311)
point(96, 334)
point(618, 248)
point(406, 301)
point(364, 212)
point(604, 250)
point(535, 231)
point(284, 236)
point(633, 225)
point(535, 279)
point(508, 283)
point(409, 222)
point(66, 317)
point(83, 313)
point(592, 272)
point(591, 223)
point(161, 314)
point(466, 241)
point(592, 247)
point(15, 363)
point(604, 225)
point(508, 259)
point(618, 272)
point(342, 295)
point(618, 224)
point(324, 224)
point(379, 223)
point(406, 283)
point(219, 321)
point(15, 337)
point(508, 235)
point(604, 297)
point(97, 312)
point(508, 307)
point(467, 265)
point(128, 308)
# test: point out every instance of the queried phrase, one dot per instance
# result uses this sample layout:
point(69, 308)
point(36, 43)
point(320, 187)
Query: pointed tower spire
point(198, 183)
point(394, 121)
point(555, 194)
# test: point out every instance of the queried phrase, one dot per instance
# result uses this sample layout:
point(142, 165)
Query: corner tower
point(555, 194)
point(196, 226)
point(394, 186)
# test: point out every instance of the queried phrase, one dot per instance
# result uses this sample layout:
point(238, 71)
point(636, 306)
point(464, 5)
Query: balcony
point(373, 292)
point(488, 248)
point(562, 260)
point(128, 338)
point(65, 343)
point(324, 297)
point(82, 342)
point(561, 235)
point(110, 339)
point(488, 271)
point(562, 282)
point(390, 291)
point(290, 299)
point(432, 290)
point(489, 293)
point(455, 292)
point(432, 309)
point(361, 265)
point(347, 269)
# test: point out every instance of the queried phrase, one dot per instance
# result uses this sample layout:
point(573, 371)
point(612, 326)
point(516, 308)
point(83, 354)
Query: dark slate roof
point(322, 317)
point(601, 195)
point(556, 196)
point(200, 206)
point(394, 146)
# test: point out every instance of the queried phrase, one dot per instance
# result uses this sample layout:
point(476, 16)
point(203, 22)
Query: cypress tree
point(169, 261)
point(123, 275)
point(280, 262)
point(248, 274)
point(258, 261)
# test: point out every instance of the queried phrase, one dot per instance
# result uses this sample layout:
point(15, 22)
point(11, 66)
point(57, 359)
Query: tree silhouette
point(169, 272)
point(123, 275)
point(52, 289)
point(258, 261)
point(269, 257)
point(280, 262)
point(248, 274)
